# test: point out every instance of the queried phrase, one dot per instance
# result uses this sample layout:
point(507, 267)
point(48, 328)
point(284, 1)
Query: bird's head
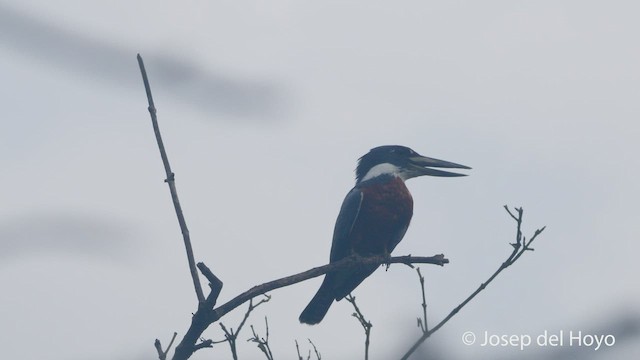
point(401, 161)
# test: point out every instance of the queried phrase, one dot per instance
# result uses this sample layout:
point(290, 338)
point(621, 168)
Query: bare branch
point(366, 325)
point(263, 343)
point(298, 350)
point(315, 350)
point(510, 213)
point(422, 323)
point(206, 343)
point(519, 247)
point(353, 261)
point(162, 355)
point(231, 339)
point(232, 336)
point(215, 285)
point(205, 315)
point(170, 180)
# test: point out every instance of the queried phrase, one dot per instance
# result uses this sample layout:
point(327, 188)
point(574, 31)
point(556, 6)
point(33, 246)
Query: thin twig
point(231, 340)
point(422, 323)
point(510, 213)
point(162, 355)
point(315, 350)
point(298, 350)
point(519, 247)
point(263, 343)
point(366, 325)
point(231, 335)
point(207, 343)
point(172, 185)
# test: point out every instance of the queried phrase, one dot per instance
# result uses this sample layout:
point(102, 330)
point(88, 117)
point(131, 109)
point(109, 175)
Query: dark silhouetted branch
point(298, 351)
point(232, 336)
point(172, 184)
point(203, 344)
point(206, 343)
point(519, 247)
point(366, 324)
point(199, 321)
point(162, 355)
point(263, 343)
point(215, 285)
point(353, 261)
point(315, 350)
point(422, 323)
point(205, 315)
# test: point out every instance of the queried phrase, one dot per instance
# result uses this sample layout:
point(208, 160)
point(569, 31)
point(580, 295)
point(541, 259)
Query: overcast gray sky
point(265, 108)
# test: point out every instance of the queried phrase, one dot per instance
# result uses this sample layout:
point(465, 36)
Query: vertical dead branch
point(315, 350)
point(366, 325)
point(422, 323)
point(263, 343)
point(172, 185)
point(298, 351)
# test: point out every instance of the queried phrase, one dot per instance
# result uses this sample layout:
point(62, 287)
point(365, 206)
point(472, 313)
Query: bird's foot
point(386, 255)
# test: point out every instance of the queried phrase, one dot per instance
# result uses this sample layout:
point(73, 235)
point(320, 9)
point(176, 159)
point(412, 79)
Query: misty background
point(265, 108)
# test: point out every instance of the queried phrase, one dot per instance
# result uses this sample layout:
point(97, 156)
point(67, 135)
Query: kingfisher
point(373, 218)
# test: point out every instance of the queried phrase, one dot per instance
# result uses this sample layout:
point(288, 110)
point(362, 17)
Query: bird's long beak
point(420, 165)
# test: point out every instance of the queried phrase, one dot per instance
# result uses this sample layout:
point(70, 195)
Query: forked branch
point(231, 336)
point(366, 324)
point(162, 354)
point(205, 315)
point(519, 247)
point(262, 342)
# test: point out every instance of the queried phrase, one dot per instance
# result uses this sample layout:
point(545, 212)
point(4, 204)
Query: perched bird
point(374, 217)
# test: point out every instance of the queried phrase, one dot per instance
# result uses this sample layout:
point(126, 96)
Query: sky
point(265, 108)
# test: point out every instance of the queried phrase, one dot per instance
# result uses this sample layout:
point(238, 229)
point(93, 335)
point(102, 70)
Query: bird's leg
point(386, 254)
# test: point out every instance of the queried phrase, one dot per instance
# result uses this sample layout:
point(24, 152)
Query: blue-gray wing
point(341, 245)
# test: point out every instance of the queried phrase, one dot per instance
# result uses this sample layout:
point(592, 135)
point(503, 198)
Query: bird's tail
point(319, 305)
